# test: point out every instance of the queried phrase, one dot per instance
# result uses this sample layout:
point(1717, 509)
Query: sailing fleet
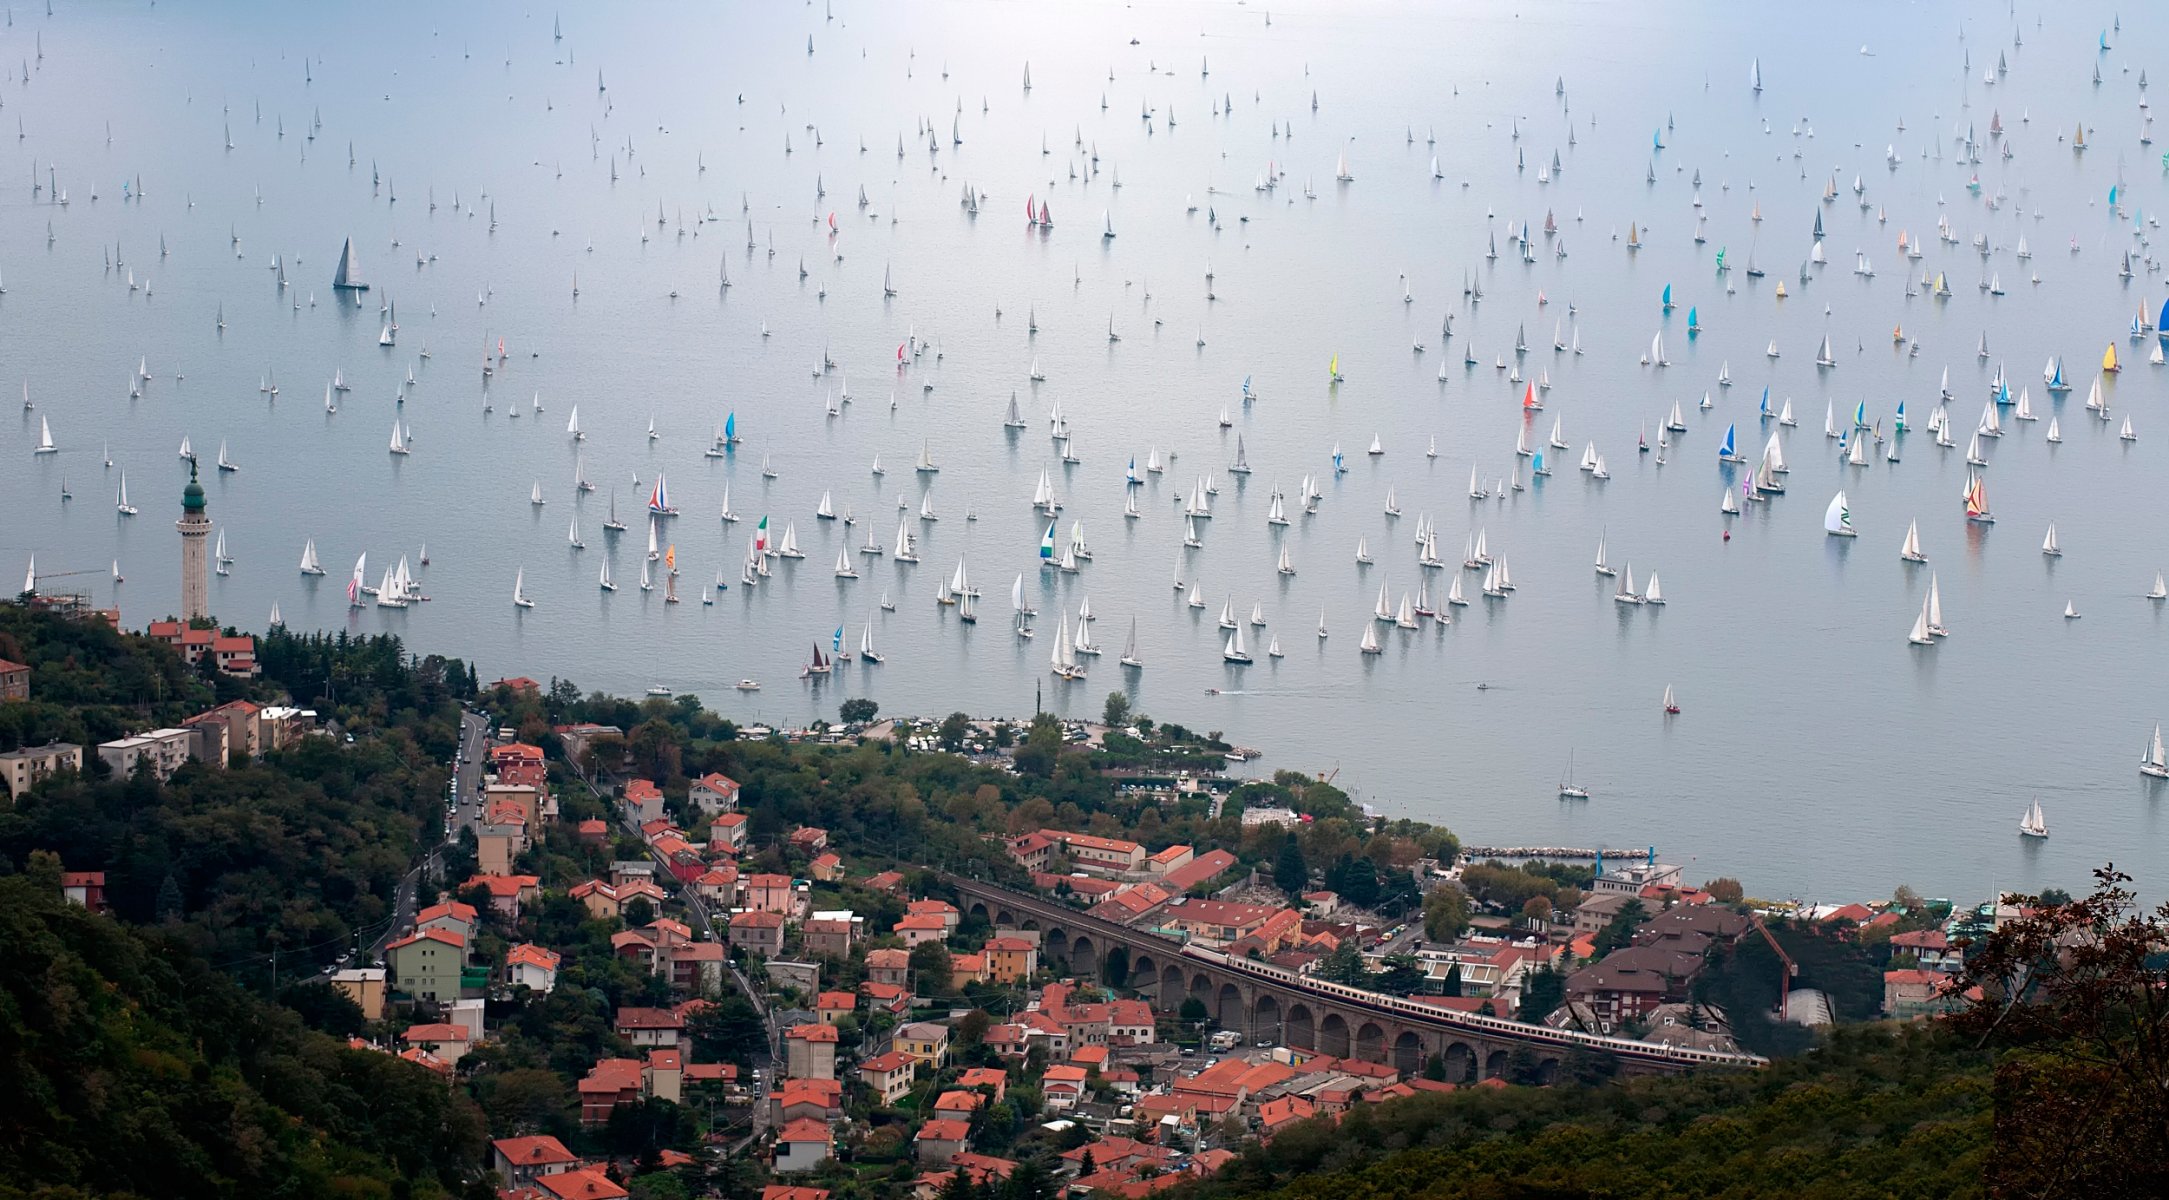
point(1235, 471)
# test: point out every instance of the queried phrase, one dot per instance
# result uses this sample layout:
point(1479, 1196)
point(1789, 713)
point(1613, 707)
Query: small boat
point(748, 685)
point(1671, 704)
point(2032, 823)
point(1568, 789)
point(519, 590)
point(2154, 764)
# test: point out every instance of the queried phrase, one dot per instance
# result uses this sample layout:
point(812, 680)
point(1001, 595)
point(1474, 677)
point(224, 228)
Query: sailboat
point(1911, 551)
point(1921, 634)
point(309, 564)
point(348, 277)
point(45, 437)
point(120, 501)
point(519, 590)
point(1671, 704)
point(2154, 764)
point(399, 438)
point(1568, 789)
point(604, 580)
point(2049, 545)
point(1838, 518)
point(2032, 823)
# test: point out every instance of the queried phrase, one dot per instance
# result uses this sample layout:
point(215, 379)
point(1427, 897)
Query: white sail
point(1838, 518)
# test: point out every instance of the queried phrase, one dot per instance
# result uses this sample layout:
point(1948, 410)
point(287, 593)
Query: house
point(530, 966)
point(922, 927)
point(889, 965)
point(975, 1078)
point(1632, 877)
point(827, 939)
point(425, 965)
point(728, 833)
point(1914, 993)
point(1011, 959)
point(666, 1075)
point(803, 1145)
point(1032, 851)
point(84, 889)
point(713, 795)
point(958, 1104)
point(926, 1041)
point(1617, 995)
point(21, 770)
point(810, 1051)
point(575, 740)
point(1930, 948)
point(585, 1183)
point(1063, 1086)
point(14, 681)
point(885, 998)
point(163, 751)
point(651, 1027)
point(777, 1191)
point(1099, 853)
point(1130, 903)
point(773, 893)
point(365, 987)
point(612, 1081)
point(1170, 859)
point(697, 967)
point(967, 968)
point(758, 933)
point(507, 892)
point(1130, 1023)
point(641, 800)
point(826, 867)
point(810, 838)
point(1217, 922)
point(942, 1139)
point(1598, 909)
point(1199, 870)
point(833, 1007)
point(985, 1172)
point(948, 913)
point(815, 1099)
point(450, 916)
point(718, 886)
point(889, 1076)
point(448, 1042)
point(593, 832)
point(522, 1160)
point(231, 655)
point(885, 881)
point(607, 901)
point(500, 837)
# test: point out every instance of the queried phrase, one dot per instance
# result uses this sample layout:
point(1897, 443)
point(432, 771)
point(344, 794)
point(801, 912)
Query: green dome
point(192, 495)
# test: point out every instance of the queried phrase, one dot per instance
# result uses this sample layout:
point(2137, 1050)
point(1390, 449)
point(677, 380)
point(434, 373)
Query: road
point(463, 808)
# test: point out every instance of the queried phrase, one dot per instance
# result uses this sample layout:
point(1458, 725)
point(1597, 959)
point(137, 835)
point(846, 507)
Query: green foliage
point(1289, 869)
point(1344, 966)
point(1503, 888)
point(91, 683)
point(1887, 1112)
point(1445, 913)
point(1116, 713)
point(1543, 993)
point(134, 1068)
point(1619, 931)
point(857, 712)
point(1402, 975)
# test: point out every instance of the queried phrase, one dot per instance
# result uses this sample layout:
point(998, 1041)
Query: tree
point(2076, 998)
point(972, 1029)
point(953, 729)
point(1193, 1011)
point(1445, 913)
point(1619, 931)
point(857, 712)
point(1537, 910)
point(1452, 984)
point(1289, 870)
point(1402, 975)
point(1344, 966)
point(1116, 714)
point(930, 968)
point(638, 912)
point(1725, 890)
point(1542, 994)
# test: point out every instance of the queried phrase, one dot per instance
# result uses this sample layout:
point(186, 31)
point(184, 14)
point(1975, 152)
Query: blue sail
point(1667, 296)
point(1764, 409)
point(1046, 544)
point(1694, 322)
point(1726, 450)
point(2161, 324)
point(1246, 385)
point(730, 427)
point(1899, 425)
point(835, 641)
point(1860, 415)
point(2112, 195)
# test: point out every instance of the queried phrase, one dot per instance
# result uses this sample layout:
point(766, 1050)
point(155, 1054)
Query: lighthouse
point(195, 527)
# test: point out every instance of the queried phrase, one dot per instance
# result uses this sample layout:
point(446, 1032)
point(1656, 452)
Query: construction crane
point(1785, 977)
point(38, 577)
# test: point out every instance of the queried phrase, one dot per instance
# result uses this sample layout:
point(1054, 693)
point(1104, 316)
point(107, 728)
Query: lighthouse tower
point(195, 527)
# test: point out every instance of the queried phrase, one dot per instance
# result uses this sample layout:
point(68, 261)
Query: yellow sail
point(670, 558)
point(1781, 289)
point(2108, 358)
point(1334, 368)
point(2078, 138)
